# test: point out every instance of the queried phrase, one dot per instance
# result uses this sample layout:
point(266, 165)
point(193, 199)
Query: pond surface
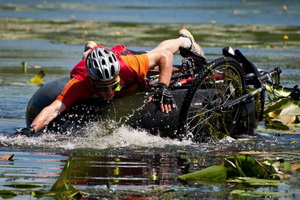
point(151, 11)
point(127, 163)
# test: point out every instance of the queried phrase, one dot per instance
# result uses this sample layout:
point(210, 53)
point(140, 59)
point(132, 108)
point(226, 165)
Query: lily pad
point(213, 173)
point(255, 181)
point(255, 193)
point(23, 185)
point(281, 113)
point(5, 194)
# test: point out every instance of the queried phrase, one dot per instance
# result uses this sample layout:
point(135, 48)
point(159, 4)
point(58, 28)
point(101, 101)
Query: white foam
point(97, 136)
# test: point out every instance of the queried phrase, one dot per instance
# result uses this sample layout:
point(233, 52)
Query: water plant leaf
point(62, 187)
point(276, 124)
point(282, 112)
point(255, 181)
point(213, 173)
point(277, 92)
point(5, 194)
point(61, 183)
point(38, 78)
point(256, 193)
point(234, 166)
point(283, 103)
point(292, 107)
point(39, 193)
point(285, 166)
point(23, 185)
point(247, 166)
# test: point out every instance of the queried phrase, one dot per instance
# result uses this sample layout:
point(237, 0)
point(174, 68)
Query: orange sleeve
point(73, 91)
point(139, 63)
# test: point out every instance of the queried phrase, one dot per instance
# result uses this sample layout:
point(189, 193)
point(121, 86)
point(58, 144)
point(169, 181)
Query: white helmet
point(102, 65)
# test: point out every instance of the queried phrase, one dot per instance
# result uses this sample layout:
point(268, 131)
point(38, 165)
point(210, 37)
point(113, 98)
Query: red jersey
point(133, 70)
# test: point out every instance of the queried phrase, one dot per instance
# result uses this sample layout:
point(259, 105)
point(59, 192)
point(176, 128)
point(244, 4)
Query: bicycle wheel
point(201, 117)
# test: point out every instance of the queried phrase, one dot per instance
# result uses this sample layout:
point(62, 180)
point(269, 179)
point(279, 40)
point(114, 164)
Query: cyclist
point(105, 74)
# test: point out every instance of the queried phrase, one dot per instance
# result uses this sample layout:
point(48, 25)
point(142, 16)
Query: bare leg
point(185, 40)
point(170, 45)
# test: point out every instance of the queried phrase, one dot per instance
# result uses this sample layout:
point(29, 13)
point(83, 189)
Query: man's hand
point(24, 132)
point(162, 95)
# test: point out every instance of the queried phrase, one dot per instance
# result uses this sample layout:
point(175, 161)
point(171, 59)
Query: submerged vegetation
point(149, 34)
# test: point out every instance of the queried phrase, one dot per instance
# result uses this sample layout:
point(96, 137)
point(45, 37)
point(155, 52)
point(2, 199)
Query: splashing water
point(98, 135)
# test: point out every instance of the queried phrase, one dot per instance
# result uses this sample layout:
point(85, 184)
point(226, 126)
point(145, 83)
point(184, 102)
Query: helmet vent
point(99, 74)
point(114, 57)
point(112, 70)
point(94, 63)
point(103, 62)
point(106, 73)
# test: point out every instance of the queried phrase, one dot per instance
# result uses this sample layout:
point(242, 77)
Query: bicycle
point(224, 96)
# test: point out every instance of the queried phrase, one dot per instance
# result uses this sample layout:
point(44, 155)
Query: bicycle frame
point(194, 66)
point(186, 73)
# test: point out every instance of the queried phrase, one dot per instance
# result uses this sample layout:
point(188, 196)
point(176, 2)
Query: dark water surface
point(120, 164)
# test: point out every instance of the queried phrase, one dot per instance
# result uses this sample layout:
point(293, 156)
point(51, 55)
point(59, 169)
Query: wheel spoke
point(201, 107)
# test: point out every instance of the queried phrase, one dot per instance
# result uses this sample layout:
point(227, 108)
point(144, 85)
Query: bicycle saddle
point(198, 59)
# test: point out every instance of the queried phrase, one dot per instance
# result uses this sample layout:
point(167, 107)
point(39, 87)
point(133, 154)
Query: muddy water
point(119, 162)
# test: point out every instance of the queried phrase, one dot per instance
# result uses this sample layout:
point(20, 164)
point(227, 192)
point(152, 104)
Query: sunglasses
point(100, 86)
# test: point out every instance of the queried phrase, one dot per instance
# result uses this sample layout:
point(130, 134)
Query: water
point(135, 153)
point(191, 11)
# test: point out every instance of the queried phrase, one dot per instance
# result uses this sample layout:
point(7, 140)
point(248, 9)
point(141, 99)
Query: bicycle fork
point(263, 78)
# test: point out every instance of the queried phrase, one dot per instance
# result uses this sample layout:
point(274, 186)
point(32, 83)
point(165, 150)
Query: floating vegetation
point(141, 34)
point(38, 78)
point(283, 110)
point(23, 185)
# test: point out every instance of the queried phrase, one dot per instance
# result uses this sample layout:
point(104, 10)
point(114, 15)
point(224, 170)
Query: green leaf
point(61, 183)
point(255, 181)
point(277, 105)
point(248, 166)
point(276, 125)
point(291, 107)
point(284, 106)
point(286, 166)
point(255, 193)
point(213, 173)
point(39, 193)
point(273, 91)
point(62, 187)
point(8, 194)
point(23, 185)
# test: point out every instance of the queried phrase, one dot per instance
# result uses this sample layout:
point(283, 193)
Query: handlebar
point(270, 74)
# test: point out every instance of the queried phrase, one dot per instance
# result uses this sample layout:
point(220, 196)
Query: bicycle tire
point(200, 116)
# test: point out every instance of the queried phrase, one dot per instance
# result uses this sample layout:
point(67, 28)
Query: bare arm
point(48, 114)
point(164, 60)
